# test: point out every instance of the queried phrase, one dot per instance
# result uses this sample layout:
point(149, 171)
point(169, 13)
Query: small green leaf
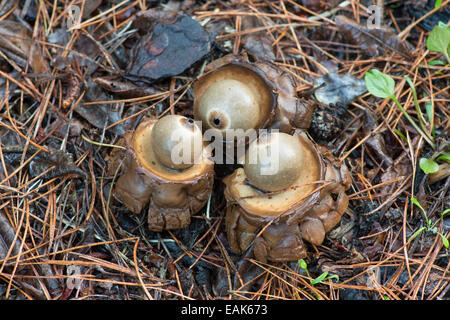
point(444, 240)
point(401, 135)
point(441, 217)
point(320, 278)
point(439, 40)
point(302, 264)
point(429, 110)
point(416, 233)
point(416, 202)
point(324, 276)
point(334, 276)
point(428, 165)
point(436, 63)
point(379, 84)
point(411, 84)
point(445, 157)
point(437, 4)
point(413, 89)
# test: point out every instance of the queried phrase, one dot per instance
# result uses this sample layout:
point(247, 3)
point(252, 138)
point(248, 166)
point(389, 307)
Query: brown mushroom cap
point(174, 135)
point(274, 161)
point(255, 202)
point(234, 96)
point(141, 143)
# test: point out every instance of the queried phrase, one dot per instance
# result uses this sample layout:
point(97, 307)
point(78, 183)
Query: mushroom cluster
point(176, 185)
point(301, 199)
point(288, 190)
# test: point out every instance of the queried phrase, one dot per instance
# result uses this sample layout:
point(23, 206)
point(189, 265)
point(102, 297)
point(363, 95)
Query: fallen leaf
point(374, 42)
point(258, 44)
point(17, 43)
point(125, 89)
point(90, 7)
point(442, 173)
point(7, 235)
point(170, 48)
point(59, 162)
point(99, 115)
point(400, 168)
point(376, 140)
point(338, 89)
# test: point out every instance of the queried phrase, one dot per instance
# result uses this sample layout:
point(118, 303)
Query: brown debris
point(16, 40)
point(7, 235)
point(258, 44)
point(55, 163)
point(373, 41)
point(442, 173)
point(124, 89)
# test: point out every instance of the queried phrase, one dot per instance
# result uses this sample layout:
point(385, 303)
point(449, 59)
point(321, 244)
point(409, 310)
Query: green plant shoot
point(439, 40)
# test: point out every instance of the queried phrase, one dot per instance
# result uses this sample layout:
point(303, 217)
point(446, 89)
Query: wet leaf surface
point(170, 48)
point(338, 89)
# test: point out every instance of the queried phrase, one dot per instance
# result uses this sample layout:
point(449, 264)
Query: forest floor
point(69, 90)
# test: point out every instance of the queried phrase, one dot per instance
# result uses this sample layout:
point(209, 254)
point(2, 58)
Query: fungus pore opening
point(233, 97)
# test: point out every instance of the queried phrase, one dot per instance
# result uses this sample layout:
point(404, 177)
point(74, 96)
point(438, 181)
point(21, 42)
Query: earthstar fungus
point(175, 191)
point(277, 218)
point(237, 94)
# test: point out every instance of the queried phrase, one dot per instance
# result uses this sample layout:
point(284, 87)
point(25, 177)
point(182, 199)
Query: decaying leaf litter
point(71, 89)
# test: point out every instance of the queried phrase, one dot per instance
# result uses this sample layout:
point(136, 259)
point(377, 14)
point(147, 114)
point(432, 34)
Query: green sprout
point(323, 277)
point(382, 85)
point(430, 226)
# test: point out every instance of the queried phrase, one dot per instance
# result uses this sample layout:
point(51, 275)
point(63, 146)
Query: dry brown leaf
point(258, 44)
point(374, 42)
point(7, 235)
point(17, 43)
